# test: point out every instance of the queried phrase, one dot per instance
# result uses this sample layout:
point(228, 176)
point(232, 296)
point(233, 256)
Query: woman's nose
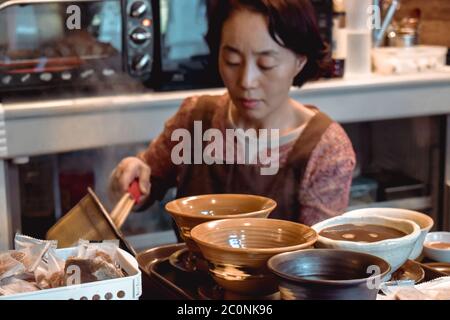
point(249, 77)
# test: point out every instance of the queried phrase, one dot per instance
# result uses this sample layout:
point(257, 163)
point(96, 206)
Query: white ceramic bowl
point(440, 255)
point(394, 251)
point(424, 221)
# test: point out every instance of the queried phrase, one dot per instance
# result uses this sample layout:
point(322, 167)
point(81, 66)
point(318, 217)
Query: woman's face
point(257, 71)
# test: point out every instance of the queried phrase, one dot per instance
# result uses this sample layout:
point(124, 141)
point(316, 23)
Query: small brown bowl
point(410, 270)
point(237, 250)
point(192, 211)
point(443, 267)
point(327, 274)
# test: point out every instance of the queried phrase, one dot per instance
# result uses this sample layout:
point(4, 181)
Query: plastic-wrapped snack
point(438, 294)
point(410, 293)
point(18, 255)
point(94, 262)
point(40, 276)
point(105, 270)
point(30, 251)
point(50, 273)
point(437, 289)
point(55, 269)
point(21, 242)
point(106, 249)
point(33, 255)
point(104, 256)
point(9, 266)
point(26, 276)
point(14, 286)
point(78, 271)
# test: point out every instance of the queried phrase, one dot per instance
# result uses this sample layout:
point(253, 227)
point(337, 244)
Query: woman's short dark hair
point(292, 24)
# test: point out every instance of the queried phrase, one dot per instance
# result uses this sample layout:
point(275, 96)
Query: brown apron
point(283, 187)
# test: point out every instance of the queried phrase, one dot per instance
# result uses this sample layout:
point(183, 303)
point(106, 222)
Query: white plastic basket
point(126, 288)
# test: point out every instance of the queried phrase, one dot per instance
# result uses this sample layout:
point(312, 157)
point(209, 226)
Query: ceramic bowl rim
point(179, 213)
point(411, 237)
point(297, 279)
point(371, 211)
point(215, 246)
point(437, 249)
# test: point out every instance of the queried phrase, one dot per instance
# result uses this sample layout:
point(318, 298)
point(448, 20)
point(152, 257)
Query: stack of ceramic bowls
point(192, 211)
point(238, 250)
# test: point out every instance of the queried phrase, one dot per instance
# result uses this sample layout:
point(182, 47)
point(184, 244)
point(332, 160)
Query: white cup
point(358, 14)
point(358, 62)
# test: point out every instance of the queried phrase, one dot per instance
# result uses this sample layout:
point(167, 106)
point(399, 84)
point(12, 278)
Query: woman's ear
point(300, 63)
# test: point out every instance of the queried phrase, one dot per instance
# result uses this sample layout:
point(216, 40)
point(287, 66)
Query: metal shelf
point(417, 203)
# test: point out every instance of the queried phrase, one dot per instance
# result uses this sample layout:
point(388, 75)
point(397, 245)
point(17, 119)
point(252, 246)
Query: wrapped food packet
point(410, 293)
point(33, 250)
point(78, 271)
point(21, 242)
point(9, 266)
point(55, 269)
point(40, 276)
point(105, 270)
point(50, 273)
point(104, 255)
point(26, 276)
point(106, 249)
point(437, 289)
point(14, 286)
point(94, 262)
point(33, 255)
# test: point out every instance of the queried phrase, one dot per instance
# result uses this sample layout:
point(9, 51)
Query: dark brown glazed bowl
point(237, 250)
point(191, 211)
point(327, 274)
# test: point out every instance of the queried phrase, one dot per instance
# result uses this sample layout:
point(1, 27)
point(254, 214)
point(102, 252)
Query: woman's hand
point(128, 170)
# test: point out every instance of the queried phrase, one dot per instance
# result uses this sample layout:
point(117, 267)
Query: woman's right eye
point(232, 63)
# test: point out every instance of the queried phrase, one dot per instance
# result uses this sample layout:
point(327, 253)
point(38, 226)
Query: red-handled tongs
point(123, 208)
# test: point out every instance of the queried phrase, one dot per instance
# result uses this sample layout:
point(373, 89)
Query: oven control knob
point(140, 62)
point(46, 76)
point(25, 78)
point(138, 9)
point(6, 80)
point(140, 35)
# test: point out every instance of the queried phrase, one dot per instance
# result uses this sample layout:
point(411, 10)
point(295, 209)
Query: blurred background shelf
point(415, 203)
point(141, 242)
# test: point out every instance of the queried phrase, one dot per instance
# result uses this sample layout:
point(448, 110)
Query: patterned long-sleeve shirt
point(323, 192)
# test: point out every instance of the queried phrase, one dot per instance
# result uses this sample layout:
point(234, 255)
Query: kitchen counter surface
point(117, 119)
point(30, 128)
point(152, 100)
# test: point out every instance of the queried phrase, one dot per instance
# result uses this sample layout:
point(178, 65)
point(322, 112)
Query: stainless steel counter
point(42, 127)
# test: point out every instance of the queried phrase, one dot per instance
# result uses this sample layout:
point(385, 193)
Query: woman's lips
point(249, 103)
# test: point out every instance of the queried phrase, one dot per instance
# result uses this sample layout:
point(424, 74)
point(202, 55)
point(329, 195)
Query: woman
point(265, 46)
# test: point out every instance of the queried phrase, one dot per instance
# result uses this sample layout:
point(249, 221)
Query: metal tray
point(430, 273)
point(443, 267)
point(168, 282)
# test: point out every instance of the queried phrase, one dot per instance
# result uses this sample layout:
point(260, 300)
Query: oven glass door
point(57, 41)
